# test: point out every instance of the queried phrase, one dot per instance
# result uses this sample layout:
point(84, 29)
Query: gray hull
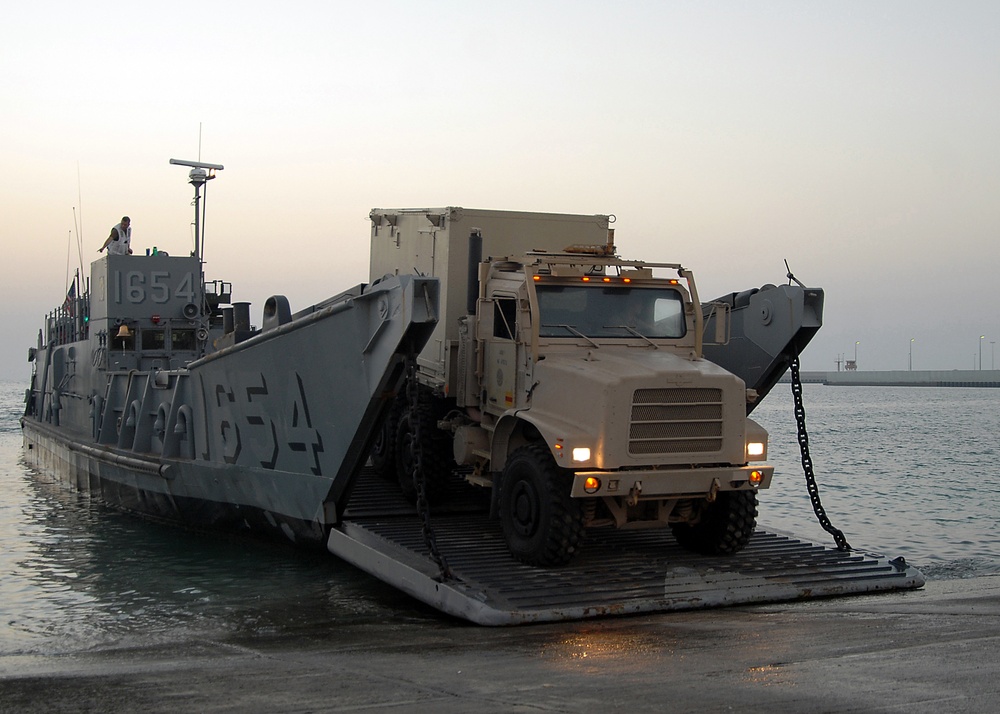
point(264, 435)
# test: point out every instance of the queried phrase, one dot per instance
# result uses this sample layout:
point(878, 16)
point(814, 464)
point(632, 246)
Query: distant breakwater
point(904, 378)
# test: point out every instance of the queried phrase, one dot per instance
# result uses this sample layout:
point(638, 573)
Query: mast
point(201, 172)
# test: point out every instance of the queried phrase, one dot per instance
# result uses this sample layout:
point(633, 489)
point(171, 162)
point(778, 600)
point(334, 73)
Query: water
point(901, 472)
point(77, 575)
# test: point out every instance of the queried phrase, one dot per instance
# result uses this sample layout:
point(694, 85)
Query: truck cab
point(595, 403)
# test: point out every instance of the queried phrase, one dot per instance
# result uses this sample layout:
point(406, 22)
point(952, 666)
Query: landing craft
point(542, 401)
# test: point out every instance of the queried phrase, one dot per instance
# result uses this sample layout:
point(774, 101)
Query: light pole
point(992, 363)
point(856, 353)
point(981, 338)
point(911, 352)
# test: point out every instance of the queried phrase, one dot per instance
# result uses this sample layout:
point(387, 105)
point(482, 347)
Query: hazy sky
point(858, 140)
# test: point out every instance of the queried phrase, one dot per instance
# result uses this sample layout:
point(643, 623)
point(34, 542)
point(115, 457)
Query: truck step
point(616, 572)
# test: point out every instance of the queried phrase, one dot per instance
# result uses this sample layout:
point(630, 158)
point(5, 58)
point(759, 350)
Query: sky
point(857, 140)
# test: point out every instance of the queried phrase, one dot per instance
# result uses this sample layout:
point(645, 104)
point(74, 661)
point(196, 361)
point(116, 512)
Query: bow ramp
point(617, 573)
point(305, 395)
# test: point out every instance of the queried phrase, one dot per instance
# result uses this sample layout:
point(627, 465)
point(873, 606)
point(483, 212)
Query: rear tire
point(383, 453)
point(541, 524)
point(725, 525)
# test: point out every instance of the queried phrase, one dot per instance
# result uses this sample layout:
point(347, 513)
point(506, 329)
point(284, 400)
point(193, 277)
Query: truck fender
point(511, 432)
point(519, 428)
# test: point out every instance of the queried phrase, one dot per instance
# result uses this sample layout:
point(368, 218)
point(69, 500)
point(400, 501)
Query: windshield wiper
point(576, 332)
point(634, 332)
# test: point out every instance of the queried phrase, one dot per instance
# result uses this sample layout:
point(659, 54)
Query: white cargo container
point(435, 242)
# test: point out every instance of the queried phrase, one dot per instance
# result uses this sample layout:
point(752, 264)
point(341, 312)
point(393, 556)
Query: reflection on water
point(78, 572)
point(599, 648)
point(75, 574)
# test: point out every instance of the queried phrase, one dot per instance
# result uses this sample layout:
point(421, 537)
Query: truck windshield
point(603, 311)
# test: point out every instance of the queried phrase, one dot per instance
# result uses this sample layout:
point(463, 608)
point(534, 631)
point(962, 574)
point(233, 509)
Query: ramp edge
point(417, 577)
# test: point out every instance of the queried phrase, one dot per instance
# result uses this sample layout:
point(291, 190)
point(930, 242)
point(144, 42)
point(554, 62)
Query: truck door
point(502, 378)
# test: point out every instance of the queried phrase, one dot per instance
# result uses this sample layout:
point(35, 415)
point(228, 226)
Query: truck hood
point(638, 406)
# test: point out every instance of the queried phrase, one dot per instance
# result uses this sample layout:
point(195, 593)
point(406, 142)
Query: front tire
point(541, 524)
point(725, 525)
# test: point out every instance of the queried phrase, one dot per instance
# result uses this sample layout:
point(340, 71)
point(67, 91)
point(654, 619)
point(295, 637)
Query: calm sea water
point(901, 471)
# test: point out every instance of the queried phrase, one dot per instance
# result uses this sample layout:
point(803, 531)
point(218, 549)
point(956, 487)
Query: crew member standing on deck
point(120, 240)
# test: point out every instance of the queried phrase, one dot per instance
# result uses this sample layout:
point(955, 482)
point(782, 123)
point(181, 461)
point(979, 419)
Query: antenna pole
point(197, 182)
point(79, 238)
point(79, 203)
point(204, 210)
point(69, 251)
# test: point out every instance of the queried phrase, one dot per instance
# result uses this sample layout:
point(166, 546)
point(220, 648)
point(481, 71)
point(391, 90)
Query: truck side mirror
point(717, 317)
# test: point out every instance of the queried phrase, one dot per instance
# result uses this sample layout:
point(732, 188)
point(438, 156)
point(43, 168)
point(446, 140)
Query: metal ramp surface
point(616, 573)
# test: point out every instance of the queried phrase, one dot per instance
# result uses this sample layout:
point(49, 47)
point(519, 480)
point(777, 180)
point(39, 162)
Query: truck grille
point(674, 421)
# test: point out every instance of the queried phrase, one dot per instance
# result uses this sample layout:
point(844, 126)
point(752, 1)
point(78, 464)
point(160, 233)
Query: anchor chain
point(419, 482)
point(807, 466)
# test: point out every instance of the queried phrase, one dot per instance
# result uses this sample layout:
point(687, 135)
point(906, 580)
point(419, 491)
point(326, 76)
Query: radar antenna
point(201, 172)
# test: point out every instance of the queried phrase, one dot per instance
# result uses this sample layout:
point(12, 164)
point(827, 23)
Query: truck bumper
point(671, 483)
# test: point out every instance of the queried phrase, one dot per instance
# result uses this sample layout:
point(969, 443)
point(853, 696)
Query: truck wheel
point(541, 523)
point(383, 453)
point(725, 526)
point(434, 447)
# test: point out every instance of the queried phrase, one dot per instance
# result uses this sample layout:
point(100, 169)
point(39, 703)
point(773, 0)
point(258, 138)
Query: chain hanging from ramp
point(807, 466)
point(419, 480)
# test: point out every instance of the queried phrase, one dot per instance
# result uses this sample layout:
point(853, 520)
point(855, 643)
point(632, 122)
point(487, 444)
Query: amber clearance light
point(592, 484)
point(755, 477)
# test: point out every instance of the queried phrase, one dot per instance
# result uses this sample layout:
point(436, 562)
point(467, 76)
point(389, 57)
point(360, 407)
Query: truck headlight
point(756, 443)
point(581, 453)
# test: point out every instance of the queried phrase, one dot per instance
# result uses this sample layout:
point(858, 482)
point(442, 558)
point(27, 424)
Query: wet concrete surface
point(934, 649)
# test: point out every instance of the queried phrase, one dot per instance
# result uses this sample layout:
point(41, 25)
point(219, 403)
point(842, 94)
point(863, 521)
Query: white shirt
point(120, 246)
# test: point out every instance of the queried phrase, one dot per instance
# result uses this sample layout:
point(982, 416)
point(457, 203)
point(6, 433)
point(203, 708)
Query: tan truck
point(571, 382)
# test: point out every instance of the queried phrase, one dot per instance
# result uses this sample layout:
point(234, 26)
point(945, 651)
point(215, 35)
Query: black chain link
point(419, 482)
point(807, 466)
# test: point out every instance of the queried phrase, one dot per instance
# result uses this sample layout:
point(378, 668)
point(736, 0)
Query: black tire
point(725, 526)
point(383, 453)
point(435, 449)
point(541, 523)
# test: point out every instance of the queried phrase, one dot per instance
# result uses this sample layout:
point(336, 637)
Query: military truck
point(569, 381)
